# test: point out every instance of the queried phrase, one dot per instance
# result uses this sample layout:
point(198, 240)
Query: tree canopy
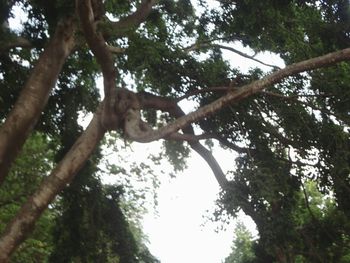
point(289, 126)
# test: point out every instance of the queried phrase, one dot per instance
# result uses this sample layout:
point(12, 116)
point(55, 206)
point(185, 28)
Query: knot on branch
point(128, 106)
point(126, 115)
point(134, 126)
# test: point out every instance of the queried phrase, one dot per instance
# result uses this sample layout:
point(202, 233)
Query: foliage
point(30, 168)
point(313, 241)
point(292, 138)
point(297, 132)
point(242, 249)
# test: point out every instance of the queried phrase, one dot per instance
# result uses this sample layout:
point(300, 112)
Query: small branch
point(313, 217)
point(307, 203)
point(15, 43)
point(246, 55)
point(204, 45)
point(293, 97)
point(115, 50)
point(312, 106)
point(269, 128)
point(208, 42)
point(200, 91)
point(233, 146)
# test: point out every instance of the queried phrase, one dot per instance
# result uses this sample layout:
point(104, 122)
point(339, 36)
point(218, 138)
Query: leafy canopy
point(289, 128)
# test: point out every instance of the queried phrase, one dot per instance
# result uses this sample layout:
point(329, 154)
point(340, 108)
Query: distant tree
point(313, 242)
point(242, 249)
point(287, 125)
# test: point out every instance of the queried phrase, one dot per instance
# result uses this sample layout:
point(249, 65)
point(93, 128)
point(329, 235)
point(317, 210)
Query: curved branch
point(246, 55)
point(137, 17)
point(233, 146)
point(21, 225)
point(170, 106)
point(34, 96)
point(14, 43)
point(242, 54)
point(103, 55)
point(246, 91)
point(211, 161)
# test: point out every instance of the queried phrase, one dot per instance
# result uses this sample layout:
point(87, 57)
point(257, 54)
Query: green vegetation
point(289, 127)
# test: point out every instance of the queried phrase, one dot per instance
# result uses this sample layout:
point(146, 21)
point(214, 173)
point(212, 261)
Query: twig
point(204, 45)
point(200, 91)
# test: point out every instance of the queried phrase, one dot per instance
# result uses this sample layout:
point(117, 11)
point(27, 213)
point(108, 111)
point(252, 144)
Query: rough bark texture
point(96, 41)
point(18, 229)
point(136, 18)
point(103, 56)
point(34, 95)
point(32, 102)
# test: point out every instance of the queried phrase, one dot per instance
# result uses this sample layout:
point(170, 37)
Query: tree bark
point(34, 96)
point(136, 18)
point(99, 48)
point(22, 224)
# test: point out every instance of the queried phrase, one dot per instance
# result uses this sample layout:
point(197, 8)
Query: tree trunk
point(34, 96)
point(18, 229)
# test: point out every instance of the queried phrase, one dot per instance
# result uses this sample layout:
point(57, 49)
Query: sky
point(180, 231)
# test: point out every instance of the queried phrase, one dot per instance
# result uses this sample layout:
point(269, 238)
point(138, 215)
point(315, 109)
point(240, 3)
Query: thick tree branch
point(14, 43)
point(135, 19)
point(34, 96)
point(246, 91)
point(17, 230)
point(211, 161)
point(233, 146)
point(104, 57)
point(116, 50)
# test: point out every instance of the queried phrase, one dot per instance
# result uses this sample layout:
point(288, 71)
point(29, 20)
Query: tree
point(286, 125)
point(242, 250)
point(319, 224)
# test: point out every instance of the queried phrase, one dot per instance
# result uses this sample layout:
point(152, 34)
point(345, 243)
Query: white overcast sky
point(181, 232)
